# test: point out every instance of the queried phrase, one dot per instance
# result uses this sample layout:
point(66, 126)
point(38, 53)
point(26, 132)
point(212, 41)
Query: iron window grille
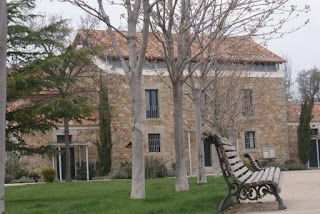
point(154, 142)
point(152, 109)
point(247, 104)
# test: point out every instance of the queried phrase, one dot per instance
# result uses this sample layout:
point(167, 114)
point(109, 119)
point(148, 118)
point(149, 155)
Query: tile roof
point(293, 112)
point(235, 49)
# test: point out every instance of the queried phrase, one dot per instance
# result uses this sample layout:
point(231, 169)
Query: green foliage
point(23, 179)
point(155, 168)
point(82, 171)
point(13, 167)
point(125, 171)
point(48, 174)
point(295, 166)
point(246, 163)
point(303, 131)
point(34, 176)
point(104, 145)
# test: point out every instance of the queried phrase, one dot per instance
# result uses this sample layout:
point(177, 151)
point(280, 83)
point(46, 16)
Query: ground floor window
point(154, 142)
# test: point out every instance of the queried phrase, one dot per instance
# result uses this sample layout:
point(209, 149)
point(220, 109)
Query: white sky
point(302, 47)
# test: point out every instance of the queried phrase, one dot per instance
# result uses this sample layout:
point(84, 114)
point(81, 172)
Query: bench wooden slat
point(240, 171)
point(277, 176)
point(229, 148)
point(245, 176)
point(234, 160)
point(265, 174)
point(237, 166)
point(254, 175)
point(258, 177)
point(225, 141)
point(231, 154)
point(271, 174)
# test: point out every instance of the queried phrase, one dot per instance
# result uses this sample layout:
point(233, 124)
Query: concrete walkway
point(300, 192)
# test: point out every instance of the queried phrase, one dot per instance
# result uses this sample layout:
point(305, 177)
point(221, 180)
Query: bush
point(155, 168)
point(276, 164)
point(23, 179)
point(48, 175)
point(296, 166)
point(8, 178)
point(82, 171)
point(247, 163)
point(125, 171)
point(21, 173)
point(34, 176)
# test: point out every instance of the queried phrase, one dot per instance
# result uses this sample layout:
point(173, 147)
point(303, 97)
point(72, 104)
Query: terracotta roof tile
point(236, 49)
point(293, 112)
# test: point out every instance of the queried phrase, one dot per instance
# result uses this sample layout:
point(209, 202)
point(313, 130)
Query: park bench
point(243, 183)
point(255, 164)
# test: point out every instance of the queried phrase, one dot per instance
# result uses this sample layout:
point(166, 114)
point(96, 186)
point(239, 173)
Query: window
point(152, 110)
point(60, 138)
point(246, 99)
point(249, 140)
point(154, 142)
point(314, 132)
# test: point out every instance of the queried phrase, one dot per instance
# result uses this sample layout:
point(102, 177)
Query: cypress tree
point(104, 146)
point(303, 132)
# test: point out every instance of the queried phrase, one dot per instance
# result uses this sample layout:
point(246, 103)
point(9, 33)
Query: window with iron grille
point(154, 142)
point(246, 99)
point(152, 109)
point(249, 139)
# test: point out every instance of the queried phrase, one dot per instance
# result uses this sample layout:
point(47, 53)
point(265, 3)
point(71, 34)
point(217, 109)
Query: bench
point(243, 183)
point(255, 164)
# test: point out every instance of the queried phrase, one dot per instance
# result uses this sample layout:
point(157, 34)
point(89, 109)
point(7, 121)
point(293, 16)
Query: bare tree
point(188, 30)
point(132, 64)
point(3, 92)
point(288, 82)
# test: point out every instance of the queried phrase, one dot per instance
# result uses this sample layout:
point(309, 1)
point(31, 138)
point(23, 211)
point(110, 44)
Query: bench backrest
point(232, 163)
point(254, 163)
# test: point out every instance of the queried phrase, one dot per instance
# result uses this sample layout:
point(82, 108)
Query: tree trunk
point(3, 93)
point(138, 171)
point(202, 178)
point(67, 148)
point(182, 183)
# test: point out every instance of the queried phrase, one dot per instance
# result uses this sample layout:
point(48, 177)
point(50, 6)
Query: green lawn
point(114, 197)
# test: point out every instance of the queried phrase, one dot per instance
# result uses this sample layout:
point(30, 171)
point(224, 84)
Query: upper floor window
point(154, 142)
point(152, 109)
point(314, 132)
point(60, 138)
point(246, 99)
point(249, 140)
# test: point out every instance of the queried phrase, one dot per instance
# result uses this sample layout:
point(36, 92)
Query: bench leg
point(281, 205)
point(223, 202)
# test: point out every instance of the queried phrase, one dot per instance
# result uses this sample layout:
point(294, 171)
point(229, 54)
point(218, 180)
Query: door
point(207, 152)
point(314, 153)
point(63, 164)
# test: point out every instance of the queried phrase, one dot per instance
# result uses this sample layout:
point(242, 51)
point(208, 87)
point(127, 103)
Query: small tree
point(303, 131)
point(104, 146)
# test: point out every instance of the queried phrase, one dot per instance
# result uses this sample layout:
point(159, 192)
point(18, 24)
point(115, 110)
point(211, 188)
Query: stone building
point(263, 134)
point(293, 112)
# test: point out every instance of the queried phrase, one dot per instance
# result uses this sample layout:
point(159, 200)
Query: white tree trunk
point(202, 178)
point(182, 183)
point(138, 171)
point(3, 93)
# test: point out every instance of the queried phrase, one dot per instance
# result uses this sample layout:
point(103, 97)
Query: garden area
point(113, 196)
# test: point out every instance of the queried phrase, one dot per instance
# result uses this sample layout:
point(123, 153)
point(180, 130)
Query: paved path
point(300, 192)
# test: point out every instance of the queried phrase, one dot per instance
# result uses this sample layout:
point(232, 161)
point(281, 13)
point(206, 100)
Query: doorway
point(314, 160)
point(207, 152)
point(63, 164)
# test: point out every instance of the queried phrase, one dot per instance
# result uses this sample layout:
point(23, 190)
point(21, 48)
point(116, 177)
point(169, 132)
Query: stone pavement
point(300, 192)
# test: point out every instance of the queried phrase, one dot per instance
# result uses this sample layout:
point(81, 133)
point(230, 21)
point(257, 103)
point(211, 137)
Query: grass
point(114, 197)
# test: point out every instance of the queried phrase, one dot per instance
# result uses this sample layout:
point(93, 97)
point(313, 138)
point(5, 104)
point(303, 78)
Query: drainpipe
point(189, 145)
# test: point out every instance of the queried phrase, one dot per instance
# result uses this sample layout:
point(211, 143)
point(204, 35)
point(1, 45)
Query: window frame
point(154, 143)
point(152, 104)
point(247, 101)
point(250, 140)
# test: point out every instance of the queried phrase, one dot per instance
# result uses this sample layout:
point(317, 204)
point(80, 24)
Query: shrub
point(296, 166)
point(23, 179)
point(34, 176)
point(82, 171)
point(21, 173)
point(155, 168)
point(247, 163)
point(125, 171)
point(8, 178)
point(48, 175)
point(276, 164)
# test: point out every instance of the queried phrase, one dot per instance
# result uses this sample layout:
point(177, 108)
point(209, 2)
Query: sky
point(302, 46)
